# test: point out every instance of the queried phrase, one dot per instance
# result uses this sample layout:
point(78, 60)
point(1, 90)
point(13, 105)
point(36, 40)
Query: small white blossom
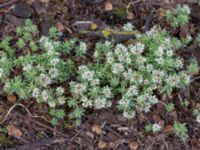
point(156, 127)
point(198, 118)
point(44, 80)
point(107, 92)
point(88, 75)
point(83, 47)
point(1, 72)
point(95, 82)
point(53, 72)
point(60, 91)
point(132, 91)
point(55, 61)
point(52, 104)
point(129, 115)
point(35, 92)
point(27, 67)
point(117, 68)
point(100, 103)
point(128, 27)
point(45, 96)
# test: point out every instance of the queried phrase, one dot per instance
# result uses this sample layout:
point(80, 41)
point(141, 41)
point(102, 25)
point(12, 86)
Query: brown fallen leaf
point(60, 27)
point(130, 16)
point(108, 6)
point(11, 98)
point(97, 129)
point(133, 145)
point(102, 144)
point(169, 129)
point(13, 131)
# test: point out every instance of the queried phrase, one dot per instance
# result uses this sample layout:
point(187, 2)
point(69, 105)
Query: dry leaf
point(96, 128)
point(102, 144)
point(12, 130)
point(133, 145)
point(11, 98)
point(60, 27)
point(169, 129)
point(93, 26)
point(161, 13)
point(130, 16)
point(108, 6)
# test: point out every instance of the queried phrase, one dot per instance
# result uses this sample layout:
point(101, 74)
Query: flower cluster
point(39, 69)
point(133, 72)
point(178, 16)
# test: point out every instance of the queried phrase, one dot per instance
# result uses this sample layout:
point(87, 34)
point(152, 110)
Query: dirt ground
point(104, 129)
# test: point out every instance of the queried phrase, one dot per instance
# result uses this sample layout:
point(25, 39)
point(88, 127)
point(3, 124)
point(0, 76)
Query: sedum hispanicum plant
point(134, 73)
point(34, 68)
point(178, 16)
point(196, 113)
point(180, 130)
point(152, 127)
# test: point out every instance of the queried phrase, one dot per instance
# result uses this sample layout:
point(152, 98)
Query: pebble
point(22, 10)
point(14, 20)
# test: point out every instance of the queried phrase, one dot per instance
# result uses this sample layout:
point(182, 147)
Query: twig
point(166, 145)
point(9, 111)
point(41, 143)
point(8, 3)
point(160, 135)
point(71, 140)
point(29, 118)
point(132, 3)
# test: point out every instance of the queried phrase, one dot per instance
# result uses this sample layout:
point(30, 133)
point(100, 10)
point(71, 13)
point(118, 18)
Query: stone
point(14, 20)
point(22, 10)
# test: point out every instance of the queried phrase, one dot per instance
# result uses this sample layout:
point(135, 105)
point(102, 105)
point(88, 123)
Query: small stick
point(8, 3)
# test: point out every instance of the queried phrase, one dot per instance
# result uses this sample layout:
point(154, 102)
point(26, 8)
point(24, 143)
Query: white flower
point(40, 67)
point(198, 118)
point(52, 104)
point(54, 61)
point(1, 72)
point(109, 60)
point(117, 68)
point(156, 127)
point(60, 91)
point(95, 82)
point(107, 92)
point(179, 63)
point(124, 102)
point(132, 91)
point(88, 75)
point(170, 53)
point(160, 60)
point(53, 72)
point(44, 80)
point(61, 100)
point(141, 59)
point(83, 68)
point(129, 115)
point(35, 92)
point(45, 96)
point(128, 27)
point(186, 9)
point(173, 80)
point(83, 47)
point(160, 51)
point(27, 67)
point(78, 88)
point(108, 43)
point(149, 68)
point(86, 102)
point(100, 103)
